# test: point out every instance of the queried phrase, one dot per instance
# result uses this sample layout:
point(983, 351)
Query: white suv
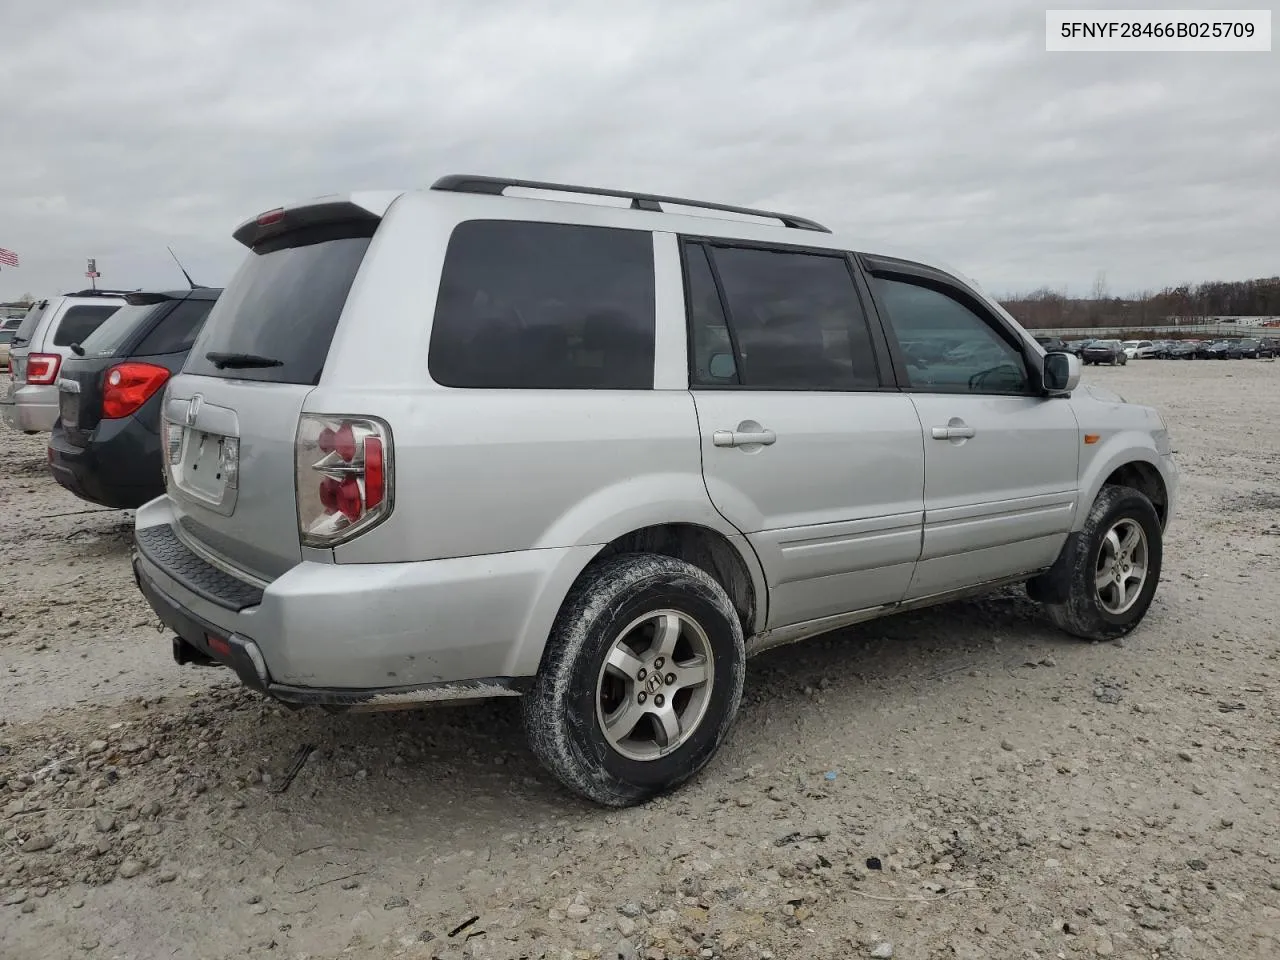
point(596, 448)
point(49, 333)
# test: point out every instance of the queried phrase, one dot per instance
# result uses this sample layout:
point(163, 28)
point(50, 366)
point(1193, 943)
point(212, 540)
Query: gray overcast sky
point(942, 126)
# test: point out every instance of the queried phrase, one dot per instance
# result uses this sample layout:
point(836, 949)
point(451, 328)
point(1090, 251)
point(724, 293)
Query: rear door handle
point(953, 433)
point(735, 438)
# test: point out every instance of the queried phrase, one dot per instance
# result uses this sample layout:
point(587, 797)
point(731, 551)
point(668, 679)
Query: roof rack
point(463, 183)
point(98, 293)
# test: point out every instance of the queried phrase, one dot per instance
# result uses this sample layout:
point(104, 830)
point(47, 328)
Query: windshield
point(115, 330)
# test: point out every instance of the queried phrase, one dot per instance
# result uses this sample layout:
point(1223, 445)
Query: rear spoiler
point(356, 207)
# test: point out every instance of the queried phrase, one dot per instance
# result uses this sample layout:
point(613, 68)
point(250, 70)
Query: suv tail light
point(42, 368)
point(343, 477)
point(129, 386)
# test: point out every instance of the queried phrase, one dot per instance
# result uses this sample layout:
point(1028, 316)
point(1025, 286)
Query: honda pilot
point(593, 449)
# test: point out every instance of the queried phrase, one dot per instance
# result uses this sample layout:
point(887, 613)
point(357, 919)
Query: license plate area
point(203, 465)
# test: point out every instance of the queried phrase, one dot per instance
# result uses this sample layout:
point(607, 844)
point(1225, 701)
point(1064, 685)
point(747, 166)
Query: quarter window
point(948, 347)
point(794, 322)
point(545, 305)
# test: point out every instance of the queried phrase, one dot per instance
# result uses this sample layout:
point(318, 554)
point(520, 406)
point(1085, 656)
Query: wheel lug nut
point(642, 697)
point(671, 678)
point(659, 700)
point(657, 664)
point(642, 674)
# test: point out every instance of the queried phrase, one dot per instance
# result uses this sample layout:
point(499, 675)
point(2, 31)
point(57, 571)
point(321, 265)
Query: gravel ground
point(959, 783)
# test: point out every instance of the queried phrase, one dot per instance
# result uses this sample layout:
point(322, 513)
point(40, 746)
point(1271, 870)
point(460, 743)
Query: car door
point(808, 448)
point(1001, 459)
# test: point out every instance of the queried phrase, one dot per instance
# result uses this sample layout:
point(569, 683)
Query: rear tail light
point(128, 386)
point(343, 476)
point(42, 368)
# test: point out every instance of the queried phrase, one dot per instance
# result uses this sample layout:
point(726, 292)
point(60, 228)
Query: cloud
point(940, 126)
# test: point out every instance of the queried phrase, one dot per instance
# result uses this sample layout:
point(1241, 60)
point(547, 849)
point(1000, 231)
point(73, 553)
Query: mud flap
point(1054, 585)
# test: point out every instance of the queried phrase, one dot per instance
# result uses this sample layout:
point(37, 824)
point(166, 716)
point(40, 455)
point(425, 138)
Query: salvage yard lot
point(1022, 794)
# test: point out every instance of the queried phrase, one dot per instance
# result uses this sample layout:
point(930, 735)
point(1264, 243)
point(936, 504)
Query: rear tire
point(1112, 568)
point(640, 681)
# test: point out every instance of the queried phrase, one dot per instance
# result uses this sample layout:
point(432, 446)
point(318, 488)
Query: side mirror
point(1061, 373)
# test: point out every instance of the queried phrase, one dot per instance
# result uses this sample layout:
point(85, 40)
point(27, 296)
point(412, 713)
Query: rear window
point(119, 327)
point(283, 305)
point(177, 331)
point(28, 325)
point(545, 306)
point(6, 336)
point(80, 321)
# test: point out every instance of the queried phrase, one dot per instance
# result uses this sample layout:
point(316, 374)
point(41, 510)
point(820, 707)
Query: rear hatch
point(140, 346)
point(20, 346)
point(231, 416)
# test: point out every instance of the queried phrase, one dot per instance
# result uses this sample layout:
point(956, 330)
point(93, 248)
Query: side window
point(948, 347)
point(545, 306)
point(177, 331)
point(795, 319)
point(712, 349)
point(78, 322)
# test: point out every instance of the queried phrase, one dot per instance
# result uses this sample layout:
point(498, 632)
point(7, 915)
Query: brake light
point(270, 217)
point(129, 386)
point(42, 368)
point(343, 477)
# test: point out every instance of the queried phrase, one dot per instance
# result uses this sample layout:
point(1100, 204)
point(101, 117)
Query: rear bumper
point(367, 635)
point(31, 408)
point(120, 466)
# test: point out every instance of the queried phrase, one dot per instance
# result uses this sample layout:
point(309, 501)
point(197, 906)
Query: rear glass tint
point(545, 306)
point(79, 322)
point(6, 336)
point(176, 331)
point(28, 325)
point(119, 327)
point(283, 304)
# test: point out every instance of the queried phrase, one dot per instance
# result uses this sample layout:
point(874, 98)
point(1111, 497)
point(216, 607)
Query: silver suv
point(596, 448)
point(48, 334)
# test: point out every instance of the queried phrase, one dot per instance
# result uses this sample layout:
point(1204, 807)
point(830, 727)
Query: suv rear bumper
point(32, 408)
point(120, 466)
point(368, 635)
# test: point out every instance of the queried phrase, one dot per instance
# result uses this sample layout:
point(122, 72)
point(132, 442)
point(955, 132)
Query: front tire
point(640, 681)
point(1112, 567)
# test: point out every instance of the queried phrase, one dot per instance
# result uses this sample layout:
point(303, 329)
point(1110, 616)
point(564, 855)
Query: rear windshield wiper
point(77, 349)
point(237, 361)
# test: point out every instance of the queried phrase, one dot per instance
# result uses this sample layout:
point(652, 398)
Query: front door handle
point(954, 432)
point(736, 438)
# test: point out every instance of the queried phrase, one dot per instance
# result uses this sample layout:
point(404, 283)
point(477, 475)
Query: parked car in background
point(1052, 344)
point(1223, 350)
point(1185, 350)
point(1269, 347)
point(40, 345)
point(1250, 348)
point(1076, 347)
point(8, 327)
point(1139, 349)
point(571, 493)
point(105, 447)
point(1160, 349)
point(1105, 351)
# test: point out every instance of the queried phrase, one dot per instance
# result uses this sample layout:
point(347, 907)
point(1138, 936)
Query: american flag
point(8, 257)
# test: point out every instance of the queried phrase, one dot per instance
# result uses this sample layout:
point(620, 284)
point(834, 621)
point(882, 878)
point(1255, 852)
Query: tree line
point(1186, 303)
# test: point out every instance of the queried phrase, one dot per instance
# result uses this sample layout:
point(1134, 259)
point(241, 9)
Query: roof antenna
point(191, 283)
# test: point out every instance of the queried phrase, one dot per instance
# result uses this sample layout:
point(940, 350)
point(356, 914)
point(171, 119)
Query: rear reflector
point(218, 645)
point(42, 368)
